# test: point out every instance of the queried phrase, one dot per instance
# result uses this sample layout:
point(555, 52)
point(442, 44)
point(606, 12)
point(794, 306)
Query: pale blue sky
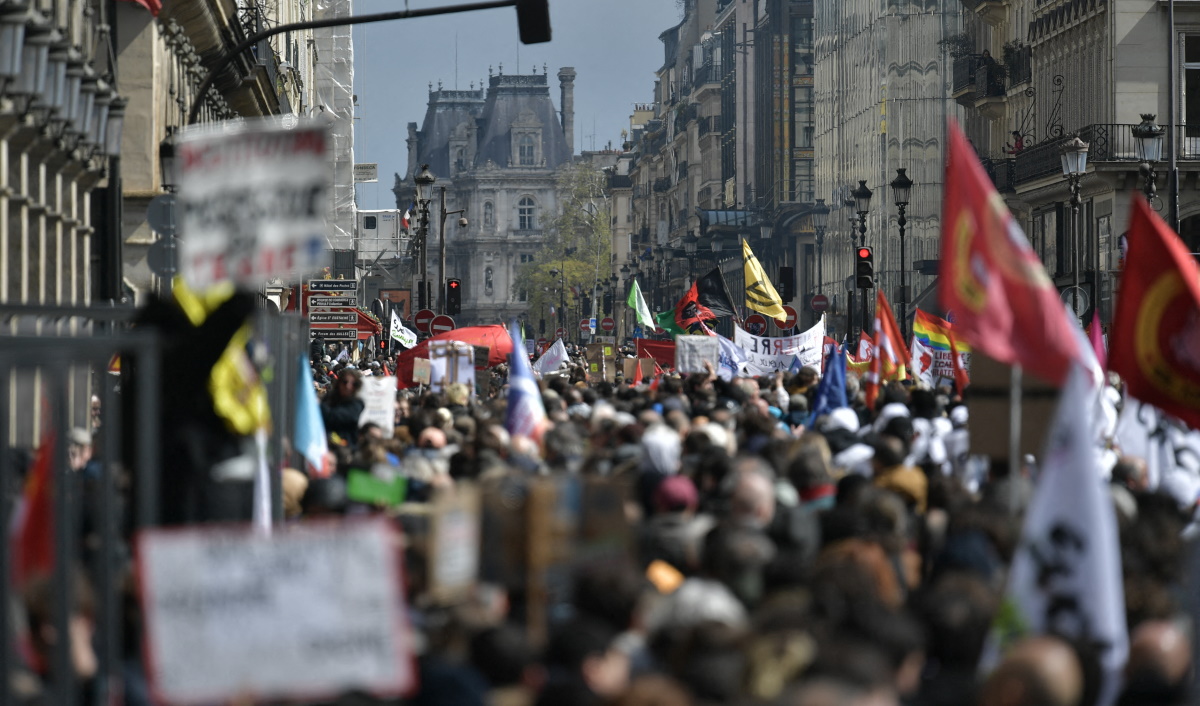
point(613, 45)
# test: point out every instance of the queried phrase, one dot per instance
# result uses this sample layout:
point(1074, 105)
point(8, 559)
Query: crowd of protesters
point(858, 558)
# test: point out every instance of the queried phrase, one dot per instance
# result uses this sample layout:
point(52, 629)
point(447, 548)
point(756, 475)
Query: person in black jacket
point(342, 407)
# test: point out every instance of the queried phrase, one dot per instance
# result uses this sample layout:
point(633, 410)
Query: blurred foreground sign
point(312, 611)
point(252, 204)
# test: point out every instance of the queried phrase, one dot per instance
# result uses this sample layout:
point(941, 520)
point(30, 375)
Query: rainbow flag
point(936, 333)
point(937, 354)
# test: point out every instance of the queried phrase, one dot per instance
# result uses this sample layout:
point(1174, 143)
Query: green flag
point(638, 304)
point(666, 322)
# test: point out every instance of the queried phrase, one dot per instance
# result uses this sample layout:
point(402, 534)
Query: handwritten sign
point(379, 403)
point(312, 611)
point(422, 371)
point(692, 352)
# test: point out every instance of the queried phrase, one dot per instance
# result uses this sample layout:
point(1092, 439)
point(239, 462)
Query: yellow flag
point(760, 293)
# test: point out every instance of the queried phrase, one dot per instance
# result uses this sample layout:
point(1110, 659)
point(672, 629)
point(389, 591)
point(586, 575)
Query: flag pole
point(1014, 439)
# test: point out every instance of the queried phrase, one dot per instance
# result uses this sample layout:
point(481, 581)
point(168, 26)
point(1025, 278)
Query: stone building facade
point(497, 151)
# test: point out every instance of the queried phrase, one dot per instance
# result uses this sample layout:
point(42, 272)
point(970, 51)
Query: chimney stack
point(566, 79)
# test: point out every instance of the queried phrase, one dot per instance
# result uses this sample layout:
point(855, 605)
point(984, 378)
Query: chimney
point(566, 79)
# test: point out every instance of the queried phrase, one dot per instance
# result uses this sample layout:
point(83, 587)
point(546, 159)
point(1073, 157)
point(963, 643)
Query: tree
point(578, 244)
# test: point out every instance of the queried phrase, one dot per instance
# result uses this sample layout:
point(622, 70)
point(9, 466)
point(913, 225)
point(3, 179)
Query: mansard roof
point(447, 110)
point(521, 99)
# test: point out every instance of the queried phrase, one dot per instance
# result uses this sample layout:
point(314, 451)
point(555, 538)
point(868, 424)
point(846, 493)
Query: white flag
point(1066, 575)
point(552, 359)
point(732, 358)
point(402, 335)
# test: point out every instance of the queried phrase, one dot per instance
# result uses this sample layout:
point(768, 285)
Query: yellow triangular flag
point(760, 293)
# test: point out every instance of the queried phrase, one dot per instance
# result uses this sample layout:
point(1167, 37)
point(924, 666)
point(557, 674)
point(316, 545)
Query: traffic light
point(608, 303)
point(541, 327)
point(787, 284)
point(453, 296)
point(864, 268)
point(533, 21)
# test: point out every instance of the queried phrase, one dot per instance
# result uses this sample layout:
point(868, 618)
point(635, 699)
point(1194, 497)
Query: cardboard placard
point(692, 352)
point(307, 612)
point(454, 544)
point(378, 394)
point(422, 371)
point(482, 354)
point(988, 402)
point(601, 362)
point(451, 362)
point(553, 510)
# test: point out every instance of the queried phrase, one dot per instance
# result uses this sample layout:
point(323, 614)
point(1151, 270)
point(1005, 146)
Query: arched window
point(525, 150)
point(487, 279)
point(489, 214)
point(526, 214)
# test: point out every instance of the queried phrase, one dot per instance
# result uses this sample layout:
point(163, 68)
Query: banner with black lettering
point(766, 355)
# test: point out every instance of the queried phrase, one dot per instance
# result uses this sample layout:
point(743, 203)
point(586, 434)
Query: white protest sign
point(378, 394)
point(311, 611)
point(691, 352)
point(935, 366)
point(768, 355)
point(451, 362)
point(252, 203)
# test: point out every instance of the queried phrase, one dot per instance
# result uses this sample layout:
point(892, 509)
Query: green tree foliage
point(578, 244)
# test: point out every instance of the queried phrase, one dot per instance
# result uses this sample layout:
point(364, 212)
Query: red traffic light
point(453, 284)
point(864, 253)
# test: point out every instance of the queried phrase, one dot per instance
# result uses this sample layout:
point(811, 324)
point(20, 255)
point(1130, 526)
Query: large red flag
point(891, 360)
point(690, 314)
point(1155, 342)
point(1004, 304)
point(33, 526)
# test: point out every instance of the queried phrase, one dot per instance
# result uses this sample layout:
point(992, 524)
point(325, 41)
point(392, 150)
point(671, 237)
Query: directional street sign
point(333, 301)
point(333, 317)
point(334, 334)
point(333, 285)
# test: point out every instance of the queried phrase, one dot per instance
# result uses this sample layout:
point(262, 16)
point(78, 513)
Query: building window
point(525, 150)
point(459, 164)
point(526, 258)
point(489, 214)
point(1191, 90)
point(487, 280)
point(526, 214)
point(523, 295)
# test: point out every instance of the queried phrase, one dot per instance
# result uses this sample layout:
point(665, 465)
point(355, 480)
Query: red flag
point(154, 6)
point(891, 360)
point(1096, 336)
point(866, 347)
point(33, 526)
point(689, 312)
point(1005, 305)
point(960, 376)
point(637, 371)
point(1155, 342)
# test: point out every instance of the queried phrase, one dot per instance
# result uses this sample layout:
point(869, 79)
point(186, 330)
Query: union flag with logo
point(1155, 345)
point(1005, 305)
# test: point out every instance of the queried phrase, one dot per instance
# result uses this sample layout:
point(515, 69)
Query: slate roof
point(446, 111)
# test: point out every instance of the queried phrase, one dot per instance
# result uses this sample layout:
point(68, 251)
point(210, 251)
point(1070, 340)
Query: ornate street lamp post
point(1148, 137)
point(901, 188)
point(1074, 165)
point(862, 205)
point(424, 183)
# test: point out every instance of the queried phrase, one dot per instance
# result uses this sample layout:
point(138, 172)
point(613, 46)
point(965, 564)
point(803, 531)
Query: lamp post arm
point(257, 37)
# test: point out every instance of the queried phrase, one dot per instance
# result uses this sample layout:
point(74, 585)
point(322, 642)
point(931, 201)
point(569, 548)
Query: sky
point(613, 45)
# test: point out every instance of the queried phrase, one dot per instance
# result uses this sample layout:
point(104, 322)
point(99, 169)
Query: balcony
point(708, 73)
point(990, 93)
point(661, 185)
point(963, 86)
point(1107, 143)
point(1020, 65)
point(1001, 172)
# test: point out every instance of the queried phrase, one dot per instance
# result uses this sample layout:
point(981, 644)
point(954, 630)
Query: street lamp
point(820, 220)
point(1074, 165)
point(562, 296)
point(1148, 137)
point(424, 187)
point(862, 204)
point(166, 160)
point(850, 303)
point(901, 189)
point(462, 223)
point(689, 245)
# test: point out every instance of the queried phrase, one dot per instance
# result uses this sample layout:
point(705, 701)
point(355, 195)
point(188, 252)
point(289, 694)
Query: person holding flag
point(891, 360)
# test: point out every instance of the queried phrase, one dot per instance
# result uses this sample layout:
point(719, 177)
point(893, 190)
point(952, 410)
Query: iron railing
point(1001, 172)
point(1107, 142)
point(989, 81)
point(1020, 67)
point(964, 72)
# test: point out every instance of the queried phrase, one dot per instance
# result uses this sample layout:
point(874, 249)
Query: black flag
point(713, 293)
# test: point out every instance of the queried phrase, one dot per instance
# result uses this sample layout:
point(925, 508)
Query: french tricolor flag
point(406, 220)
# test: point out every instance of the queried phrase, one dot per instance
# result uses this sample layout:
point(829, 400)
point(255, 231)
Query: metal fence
point(1107, 142)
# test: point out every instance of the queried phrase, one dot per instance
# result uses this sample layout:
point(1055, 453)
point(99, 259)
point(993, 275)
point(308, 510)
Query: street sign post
point(333, 302)
point(333, 285)
point(756, 324)
point(333, 317)
point(608, 323)
point(333, 334)
point(819, 303)
point(585, 324)
point(422, 319)
point(560, 332)
point(441, 324)
point(1077, 300)
point(790, 318)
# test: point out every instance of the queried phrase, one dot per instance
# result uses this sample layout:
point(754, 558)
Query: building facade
point(1090, 68)
point(498, 152)
point(882, 89)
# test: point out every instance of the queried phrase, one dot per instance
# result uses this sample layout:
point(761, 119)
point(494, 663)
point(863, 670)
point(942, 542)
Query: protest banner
point(378, 394)
point(308, 612)
point(601, 362)
point(692, 352)
point(422, 371)
point(252, 203)
point(768, 355)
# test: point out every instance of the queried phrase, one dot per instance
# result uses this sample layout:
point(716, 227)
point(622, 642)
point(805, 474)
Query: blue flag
point(831, 391)
point(311, 441)
point(526, 416)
